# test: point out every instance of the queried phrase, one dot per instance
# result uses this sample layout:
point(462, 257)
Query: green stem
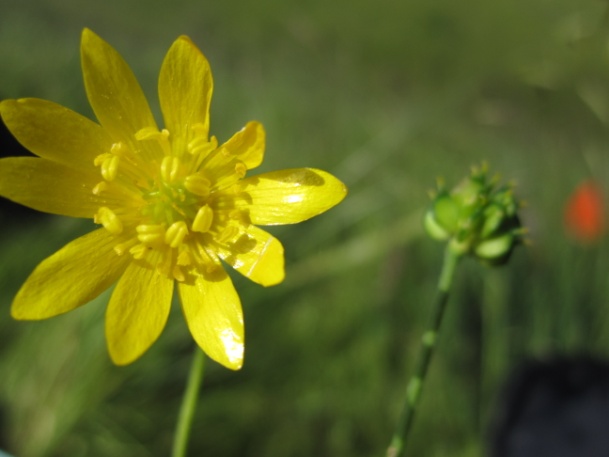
point(189, 404)
point(428, 342)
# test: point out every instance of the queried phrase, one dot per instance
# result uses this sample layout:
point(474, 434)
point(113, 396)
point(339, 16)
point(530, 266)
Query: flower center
point(170, 209)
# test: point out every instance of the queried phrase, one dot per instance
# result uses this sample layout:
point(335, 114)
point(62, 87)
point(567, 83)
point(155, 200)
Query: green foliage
point(386, 96)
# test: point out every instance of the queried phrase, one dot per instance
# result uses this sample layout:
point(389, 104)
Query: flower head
point(172, 203)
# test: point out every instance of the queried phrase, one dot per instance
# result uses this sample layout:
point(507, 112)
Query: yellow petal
point(137, 312)
point(213, 312)
point(54, 132)
point(71, 277)
point(290, 196)
point(49, 187)
point(248, 144)
point(113, 91)
point(185, 89)
point(256, 255)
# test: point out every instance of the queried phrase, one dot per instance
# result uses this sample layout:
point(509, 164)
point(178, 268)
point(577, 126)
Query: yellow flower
point(172, 203)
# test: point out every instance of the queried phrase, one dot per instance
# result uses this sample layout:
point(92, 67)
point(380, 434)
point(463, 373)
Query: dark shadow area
point(554, 408)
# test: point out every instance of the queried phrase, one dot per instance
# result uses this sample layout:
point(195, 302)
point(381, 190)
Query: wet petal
point(289, 196)
point(113, 92)
point(137, 312)
point(49, 187)
point(213, 312)
point(185, 89)
point(71, 277)
point(248, 144)
point(54, 132)
point(256, 255)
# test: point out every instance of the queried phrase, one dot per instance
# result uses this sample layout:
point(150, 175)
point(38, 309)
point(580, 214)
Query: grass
point(386, 96)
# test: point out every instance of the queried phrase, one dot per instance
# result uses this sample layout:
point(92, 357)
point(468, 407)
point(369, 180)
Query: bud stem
point(428, 342)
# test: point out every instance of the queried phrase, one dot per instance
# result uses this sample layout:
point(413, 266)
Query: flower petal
point(54, 132)
point(185, 89)
point(137, 312)
point(257, 255)
point(49, 186)
point(248, 144)
point(213, 312)
point(114, 93)
point(71, 277)
point(289, 196)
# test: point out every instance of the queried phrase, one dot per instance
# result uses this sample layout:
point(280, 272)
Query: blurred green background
point(386, 95)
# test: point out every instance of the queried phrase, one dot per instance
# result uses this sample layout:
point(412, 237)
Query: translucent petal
point(137, 312)
point(54, 132)
point(113, 91)
point(71, 277)
point(185, 89)
point(289, 196)
point(256, 255)
point(49, 187)
point(248, 144)
point(213, 312)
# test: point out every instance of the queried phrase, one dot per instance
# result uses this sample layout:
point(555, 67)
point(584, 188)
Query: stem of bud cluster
point(428, 343)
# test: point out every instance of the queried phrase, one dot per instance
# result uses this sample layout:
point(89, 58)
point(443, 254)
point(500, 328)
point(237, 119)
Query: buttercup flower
point(172, 203)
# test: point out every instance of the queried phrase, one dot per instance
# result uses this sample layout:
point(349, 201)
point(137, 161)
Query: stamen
point(203, 219)
point(170, 166)
point(109, 167)
point(184, 257)
point(119, 149)
point(151, 133)
point(228, 234)
point(240, 169)
point(178, 274)
point(122, 248)
point(138, 251)
point(101, 158)
point(150, 234)
point(198, 145)
point(100, 187)
point(175, 234)
point(106, 217)
point(198, 184)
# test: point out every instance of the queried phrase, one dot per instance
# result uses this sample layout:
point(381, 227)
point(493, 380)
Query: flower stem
point(189, 403)
point(428, 342)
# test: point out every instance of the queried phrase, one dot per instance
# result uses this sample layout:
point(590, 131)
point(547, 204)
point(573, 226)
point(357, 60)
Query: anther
point(122, 248)
point(100, 187)
point(119, 149)
point(184, 257)
point(198, 185)
point(228, 234)
point(178, 274)
point(101, 158)
point(176, 233)
point(138, 251)
point(150, 234)
point(170, 166)
point(240, 169)
point(106, 217)
point(203, 219)
point(109, 167)
point(151, 133)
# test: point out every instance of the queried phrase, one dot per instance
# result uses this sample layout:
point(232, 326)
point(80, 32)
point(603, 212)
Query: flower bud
point(477, 218)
